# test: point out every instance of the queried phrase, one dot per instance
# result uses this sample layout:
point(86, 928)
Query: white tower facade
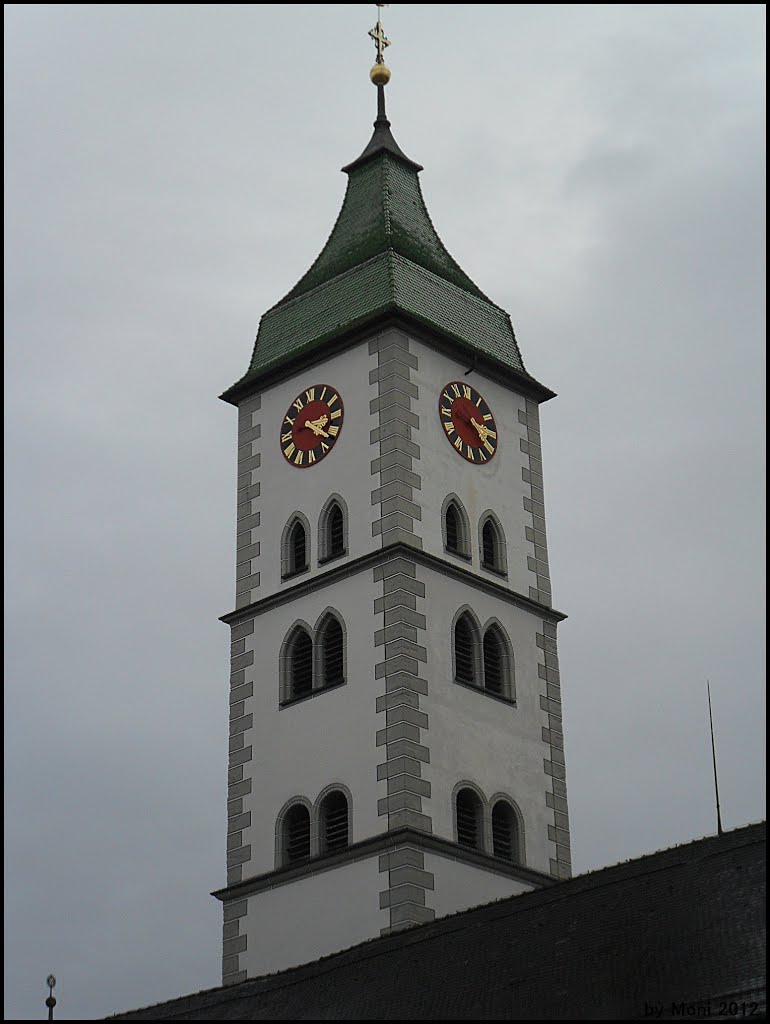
point(396, 745)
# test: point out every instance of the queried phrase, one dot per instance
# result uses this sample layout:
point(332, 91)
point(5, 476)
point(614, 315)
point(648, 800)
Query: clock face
point(467, 422)
point(312, 425)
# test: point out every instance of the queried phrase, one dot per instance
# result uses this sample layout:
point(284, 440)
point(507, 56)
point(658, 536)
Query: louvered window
point(504, 831)
point(334, 822)
point(297, 549)
point(332, 657)
point(469, 819)
point(296, 834)
point(490, 546)
point(301, 665)
point(464, 652)
point(335, 524)
point(494, 663)
point(452, 529)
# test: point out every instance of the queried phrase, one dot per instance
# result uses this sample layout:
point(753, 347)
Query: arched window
point(333, 824)
point(494, 661)
point(296, 834)
point(505, 840)
point(332, 530)
point(297, 549)
point(455, 527)
point(469, 820)
point(295, 546)
point(465, 651)
point(492, 542)
point(300, 665)
point(332, 657)
point(452, 529)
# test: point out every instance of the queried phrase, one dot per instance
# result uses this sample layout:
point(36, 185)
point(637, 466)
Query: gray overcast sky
point(171, 171)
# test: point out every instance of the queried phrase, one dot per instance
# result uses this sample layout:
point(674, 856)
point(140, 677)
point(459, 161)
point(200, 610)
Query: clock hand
point(317, 426)
point(482, 431)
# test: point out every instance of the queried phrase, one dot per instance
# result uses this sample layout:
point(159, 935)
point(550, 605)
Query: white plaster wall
point(313, 917)
point(496, 485)
point(459, 886)
point(300, 749)
point(346, 470)
point(474, 737)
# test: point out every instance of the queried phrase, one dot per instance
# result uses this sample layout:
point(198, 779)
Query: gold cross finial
point(379, 37)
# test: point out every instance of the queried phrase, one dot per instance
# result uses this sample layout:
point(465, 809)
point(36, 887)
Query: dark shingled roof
point(683, 926)
point(383, 256)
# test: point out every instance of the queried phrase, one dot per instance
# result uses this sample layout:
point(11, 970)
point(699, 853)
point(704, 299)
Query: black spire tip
point(382, 140)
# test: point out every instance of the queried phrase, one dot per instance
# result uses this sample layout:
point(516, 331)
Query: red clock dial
point(312, 425)
point(468, 423)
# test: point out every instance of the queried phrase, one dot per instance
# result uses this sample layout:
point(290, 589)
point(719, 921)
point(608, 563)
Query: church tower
point(396, 747)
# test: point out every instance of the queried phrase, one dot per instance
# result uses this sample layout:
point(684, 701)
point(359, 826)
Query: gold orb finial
point(380, 74)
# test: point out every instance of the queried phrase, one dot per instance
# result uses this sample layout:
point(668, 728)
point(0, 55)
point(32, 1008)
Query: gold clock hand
point(317, 426)
point(481, 430)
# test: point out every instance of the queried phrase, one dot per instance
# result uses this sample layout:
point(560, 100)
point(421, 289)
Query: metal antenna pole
point(714, 759)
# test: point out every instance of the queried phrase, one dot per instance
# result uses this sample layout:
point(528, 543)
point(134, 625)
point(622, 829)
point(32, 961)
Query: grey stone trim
point(241, 723)
point(403, 726)
point(397, 450)
point(248, 491)
point(532, 475)
point(233, 943)
point(376, 560)
point(395, 849)
point(554, 761)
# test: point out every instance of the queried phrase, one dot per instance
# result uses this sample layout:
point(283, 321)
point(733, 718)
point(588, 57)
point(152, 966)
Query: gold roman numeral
point(321, 396)
point(489, 447)
point(289, 451)
point(487, 417)
point(333, 431)
point(445, 411)
point(310, 395)
point(466, 391)
point(310, 458)
point(332, 400)
point(336, 414)
point(324, 447)
point(298, 458)
point(298, 405)
point(285, 438)
point(458, 443)
point(450, 428)
point(470, 454)
point(456, 390)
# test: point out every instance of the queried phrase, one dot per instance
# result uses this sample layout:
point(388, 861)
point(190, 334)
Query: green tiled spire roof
point(382, 257)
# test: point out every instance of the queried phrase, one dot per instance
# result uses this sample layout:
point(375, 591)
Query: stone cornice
point(521, 383)
point(383, 843)
point(378, 557)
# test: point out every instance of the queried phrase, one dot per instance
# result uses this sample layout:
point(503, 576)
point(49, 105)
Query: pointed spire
point(382, 140)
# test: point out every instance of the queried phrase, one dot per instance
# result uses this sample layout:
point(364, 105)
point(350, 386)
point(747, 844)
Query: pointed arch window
point(505, 838)
point(296, 834)
point(452, 530)
point(295, 547)
point(469, 817)
point(332, 655)
point(334, 822)
point(465, 651)
point(492, 544)
point(495, 662)
point(332, 530)
point(455, 528)
point(300, 665)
